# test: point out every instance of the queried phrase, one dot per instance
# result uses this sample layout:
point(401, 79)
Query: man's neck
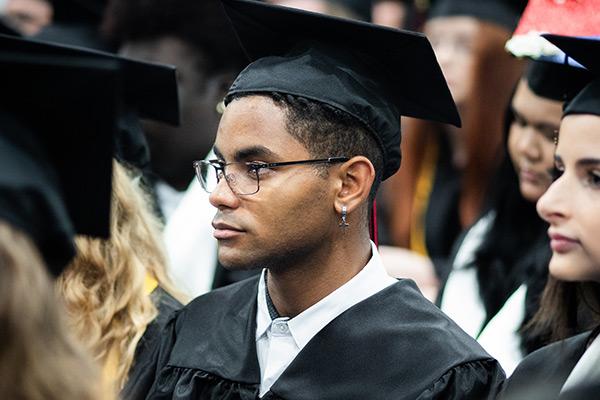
point(293, 289)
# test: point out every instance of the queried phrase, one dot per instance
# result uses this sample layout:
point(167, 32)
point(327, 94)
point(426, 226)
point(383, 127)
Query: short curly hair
point(326, 131)
point(201, 24)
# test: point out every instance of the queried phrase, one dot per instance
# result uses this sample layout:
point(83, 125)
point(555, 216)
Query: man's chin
point(235, 261)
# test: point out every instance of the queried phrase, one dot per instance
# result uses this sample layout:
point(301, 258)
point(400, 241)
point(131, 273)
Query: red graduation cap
point(561, 17)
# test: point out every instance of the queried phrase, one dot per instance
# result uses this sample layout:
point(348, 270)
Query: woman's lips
point(531, 176)
point(562, 244)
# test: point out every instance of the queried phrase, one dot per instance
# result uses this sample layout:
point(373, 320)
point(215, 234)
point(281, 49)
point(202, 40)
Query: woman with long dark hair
point(499, 268)
point(571, 206)
point(447, 171)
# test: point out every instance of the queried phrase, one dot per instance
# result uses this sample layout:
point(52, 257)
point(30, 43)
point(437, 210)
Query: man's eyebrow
point(253, 152)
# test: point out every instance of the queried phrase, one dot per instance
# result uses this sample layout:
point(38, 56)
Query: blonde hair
point(39, 359)
point(104, 286)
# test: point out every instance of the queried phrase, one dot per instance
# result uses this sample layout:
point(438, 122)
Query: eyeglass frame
point(219, 166)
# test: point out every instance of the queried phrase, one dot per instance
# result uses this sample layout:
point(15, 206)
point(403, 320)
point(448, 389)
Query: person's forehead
point(525, 100)
point(579, 136)
point(256, 121)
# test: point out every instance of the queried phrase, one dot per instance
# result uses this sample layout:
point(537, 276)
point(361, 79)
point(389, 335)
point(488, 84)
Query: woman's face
point(453, 40)
point(572, 203)
point(531, 140)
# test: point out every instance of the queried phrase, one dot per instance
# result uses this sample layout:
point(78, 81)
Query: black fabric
point(393, 345)
point(374, 74)
point(6, 28)
point(273, 313)
point(224, 277)
point(150, 89)
point(586, 391)
point(48, 179)
point(60, 110)
point(586, 102)
point(505, 13)
point(587, 53)
point(442, 222)
point(142, 371)
point(73, 34)
point(556, 81)
point(516, 248)
point(545, 371)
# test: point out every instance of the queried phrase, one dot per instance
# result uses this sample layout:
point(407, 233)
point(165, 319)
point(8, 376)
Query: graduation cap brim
point(586, 51)
point(151, 88)
point(60, 114)
point(413, 75)
point(583, 50)
point(6, 29)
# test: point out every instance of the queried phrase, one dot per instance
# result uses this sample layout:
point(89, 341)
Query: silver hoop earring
point(344, 224)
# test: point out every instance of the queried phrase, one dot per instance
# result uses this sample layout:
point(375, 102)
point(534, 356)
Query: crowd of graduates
point(299, 199)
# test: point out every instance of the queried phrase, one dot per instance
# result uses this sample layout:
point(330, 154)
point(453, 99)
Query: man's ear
point(356, 179)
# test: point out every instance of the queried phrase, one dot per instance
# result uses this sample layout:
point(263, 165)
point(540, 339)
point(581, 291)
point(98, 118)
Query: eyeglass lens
point(241, 178)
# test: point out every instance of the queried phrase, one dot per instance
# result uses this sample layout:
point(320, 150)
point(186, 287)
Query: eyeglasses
point(243, 177)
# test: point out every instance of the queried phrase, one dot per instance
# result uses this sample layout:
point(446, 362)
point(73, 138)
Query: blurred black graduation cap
point(76, 22)
point(7, 29)
point(60, 110)
point(505, 13)
point(556, 81)
point(373, 73)
point(586, 51)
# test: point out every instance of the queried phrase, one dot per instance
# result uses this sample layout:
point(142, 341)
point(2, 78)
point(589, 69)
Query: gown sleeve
point(153, 350)
point(477, 380)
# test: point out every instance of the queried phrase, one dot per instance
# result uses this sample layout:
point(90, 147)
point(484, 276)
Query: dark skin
point(291, 225)
point(173, 149)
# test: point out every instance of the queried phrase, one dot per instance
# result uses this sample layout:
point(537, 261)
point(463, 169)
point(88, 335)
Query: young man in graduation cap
point(310, 128)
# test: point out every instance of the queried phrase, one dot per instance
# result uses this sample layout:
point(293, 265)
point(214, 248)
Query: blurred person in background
point(197, 38)
point(353, 9)
point(447, 171)
point(117, 291)
point(500, 265)
point(27, 17)
point(77, 23)
point(571, 206)
point(49, 182)
point(194, 37)
point(39, 358)
point(393, 13)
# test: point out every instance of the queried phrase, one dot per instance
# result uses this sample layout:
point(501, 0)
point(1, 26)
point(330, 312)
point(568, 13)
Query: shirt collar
point(370, 280)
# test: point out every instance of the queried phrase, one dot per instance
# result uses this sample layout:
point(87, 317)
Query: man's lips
point(225, 231)
point(562, 244)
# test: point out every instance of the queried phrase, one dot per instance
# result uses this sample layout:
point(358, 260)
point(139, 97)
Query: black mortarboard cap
point(89, 11)
point(6, 28)
point(57, 122)
point(556, 81)
point(585, 51)
point(373, 73)
point(150, 91)
point(61, 109)
point(505, 13)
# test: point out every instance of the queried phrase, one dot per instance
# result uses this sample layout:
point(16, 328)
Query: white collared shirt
point(280, 340)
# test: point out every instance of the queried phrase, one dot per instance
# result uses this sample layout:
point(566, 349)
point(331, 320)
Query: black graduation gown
point(542, 374)
point(442, 222)
point(393, 345)
point(166, 305)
